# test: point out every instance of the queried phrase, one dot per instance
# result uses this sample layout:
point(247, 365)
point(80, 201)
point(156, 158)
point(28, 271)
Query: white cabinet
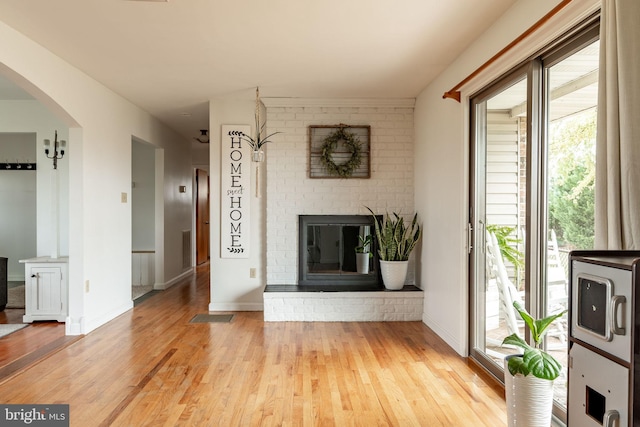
point(142, 268)
point(46, 283)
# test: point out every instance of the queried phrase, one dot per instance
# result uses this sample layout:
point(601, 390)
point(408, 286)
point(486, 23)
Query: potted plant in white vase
point(529, 376)
point(257, 155)
point(363, 254)
point(395, 243)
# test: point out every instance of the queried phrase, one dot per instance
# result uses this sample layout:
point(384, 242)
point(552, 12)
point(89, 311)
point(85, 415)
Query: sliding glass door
point(531, 201)
point(499, 153)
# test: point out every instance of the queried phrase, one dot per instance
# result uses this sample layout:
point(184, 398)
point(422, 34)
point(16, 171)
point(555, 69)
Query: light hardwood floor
point(151, 366)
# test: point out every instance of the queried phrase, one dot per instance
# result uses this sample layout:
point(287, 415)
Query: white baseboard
point(74, 326)
point(236, 306)
point(445, 335)
point(166, 285)
point(88, 326)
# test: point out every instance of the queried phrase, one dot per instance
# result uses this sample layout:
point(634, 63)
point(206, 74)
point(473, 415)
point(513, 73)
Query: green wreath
point(352, 142)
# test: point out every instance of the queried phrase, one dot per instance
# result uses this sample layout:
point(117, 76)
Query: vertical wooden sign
point(235, 180)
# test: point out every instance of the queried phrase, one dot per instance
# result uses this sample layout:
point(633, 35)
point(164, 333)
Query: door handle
point(610, 417)
point(616, 302)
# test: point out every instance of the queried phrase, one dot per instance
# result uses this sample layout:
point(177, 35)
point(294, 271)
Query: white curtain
point(617, 213)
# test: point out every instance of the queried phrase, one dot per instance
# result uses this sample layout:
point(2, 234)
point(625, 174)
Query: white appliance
point(603, 346)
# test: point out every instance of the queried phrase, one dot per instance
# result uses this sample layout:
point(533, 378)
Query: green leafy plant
point(507, 243)
point(365, 245)
point(534, 361)
point(395, 239)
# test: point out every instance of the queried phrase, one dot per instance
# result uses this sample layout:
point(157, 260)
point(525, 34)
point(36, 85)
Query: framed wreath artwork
point(339, 151)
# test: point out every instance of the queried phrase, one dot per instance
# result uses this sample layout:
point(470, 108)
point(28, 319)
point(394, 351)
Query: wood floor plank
point(152, 367)
point(28, 340)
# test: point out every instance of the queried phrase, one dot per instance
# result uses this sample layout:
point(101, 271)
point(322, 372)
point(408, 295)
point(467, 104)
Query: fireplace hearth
point(329, 287)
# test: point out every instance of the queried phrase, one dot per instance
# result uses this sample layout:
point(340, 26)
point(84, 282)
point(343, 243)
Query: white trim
point(563, 21)
point(339, 102)
point(104, 319)
point(465, 300)
point(459, 347)
point(74, 328)
point(167, 285)
point(236, 306)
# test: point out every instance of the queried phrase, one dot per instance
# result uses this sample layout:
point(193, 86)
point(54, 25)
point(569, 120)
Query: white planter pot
point(362, 263)
point(529, 399)
point(394, 273)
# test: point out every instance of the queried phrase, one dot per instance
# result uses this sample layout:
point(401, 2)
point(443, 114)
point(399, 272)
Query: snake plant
point(395, 239)
point(365, 245)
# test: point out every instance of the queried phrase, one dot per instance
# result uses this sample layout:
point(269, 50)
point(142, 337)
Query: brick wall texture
point(390, 306)
point(290, 192)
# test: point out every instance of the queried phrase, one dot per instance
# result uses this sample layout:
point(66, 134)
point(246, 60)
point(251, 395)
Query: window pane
point(572, 93)
point(500, 197)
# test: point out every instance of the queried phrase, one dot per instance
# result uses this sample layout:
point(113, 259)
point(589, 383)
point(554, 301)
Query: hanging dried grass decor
point(257, 142)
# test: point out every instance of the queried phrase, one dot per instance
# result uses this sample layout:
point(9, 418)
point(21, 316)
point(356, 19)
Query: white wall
point(101, 125)
point(287, 191)
point(441, 133)
point(232, 288)
point(174, 210)
point(200, 155)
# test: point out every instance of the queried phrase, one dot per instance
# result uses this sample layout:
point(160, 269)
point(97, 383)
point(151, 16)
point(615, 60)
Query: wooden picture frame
point(344, 164)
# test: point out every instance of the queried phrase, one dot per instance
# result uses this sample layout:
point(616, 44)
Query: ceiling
point(171, 57)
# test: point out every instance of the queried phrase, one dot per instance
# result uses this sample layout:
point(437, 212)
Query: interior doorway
point(143, 218)
point(18, 187)
point(202, 216)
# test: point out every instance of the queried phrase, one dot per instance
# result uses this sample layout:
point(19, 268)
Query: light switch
point(123, 197)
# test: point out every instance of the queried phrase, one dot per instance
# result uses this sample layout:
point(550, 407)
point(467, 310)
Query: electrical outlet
point(86, 286)
point(252, 273)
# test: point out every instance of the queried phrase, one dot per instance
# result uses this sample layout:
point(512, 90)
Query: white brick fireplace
point(382, 306)
point(290, 192)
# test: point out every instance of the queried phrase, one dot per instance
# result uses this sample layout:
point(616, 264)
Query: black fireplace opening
point(327, 252)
